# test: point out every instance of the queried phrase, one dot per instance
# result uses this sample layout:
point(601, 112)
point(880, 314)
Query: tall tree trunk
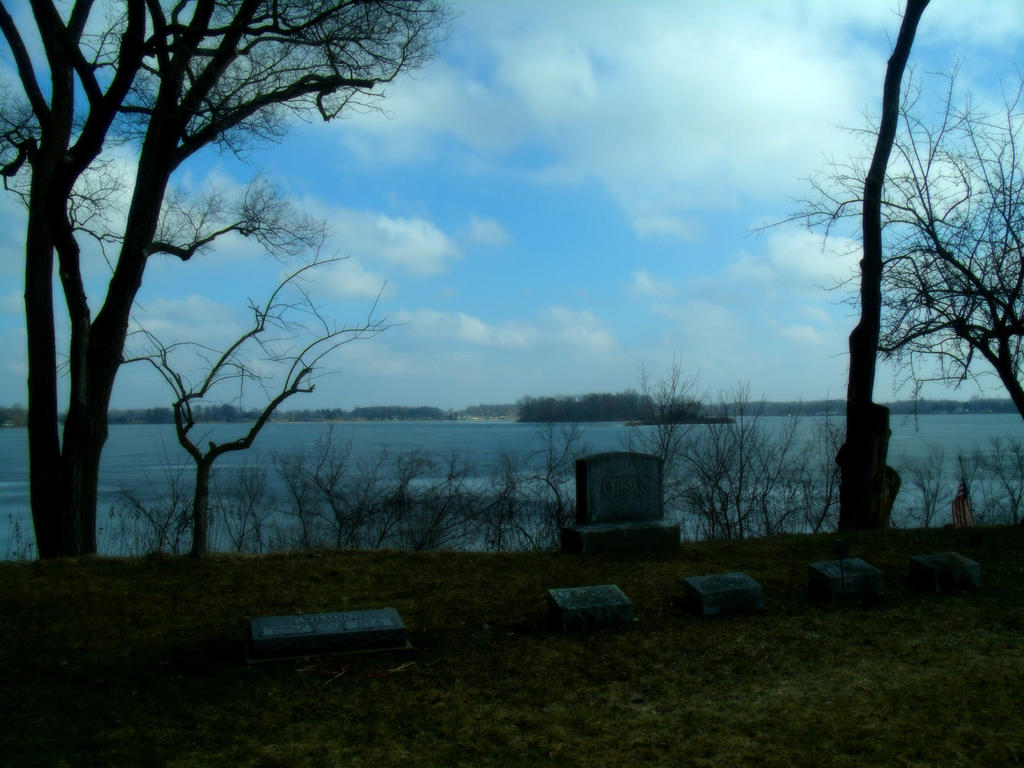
point(866, 489)
point(50, 507)
point(201, 507)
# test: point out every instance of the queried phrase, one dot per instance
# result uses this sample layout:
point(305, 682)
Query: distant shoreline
point(624, 422)
point(16, 416)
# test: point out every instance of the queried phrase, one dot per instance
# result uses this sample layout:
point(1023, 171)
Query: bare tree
point(868, 486)
point(954, 285)
point(298, 352)
point(743, 477)
point(169, 80)
point(670, 406)
point(953, 280)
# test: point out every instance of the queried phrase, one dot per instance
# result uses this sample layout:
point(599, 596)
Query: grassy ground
point(139, 662)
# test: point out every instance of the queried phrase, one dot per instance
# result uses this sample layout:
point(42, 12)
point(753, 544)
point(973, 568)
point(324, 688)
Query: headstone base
point(588, 607)
point(620, 538)
point(316, 634)
point(944, 572)
point(851, 579)
point(723, 593)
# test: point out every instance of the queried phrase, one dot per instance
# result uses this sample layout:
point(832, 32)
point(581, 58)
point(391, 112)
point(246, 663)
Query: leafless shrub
point(995, 478)
point(822, 484)
point(532, 497)
point(440, 514)
point(744, 477)
point(505, 522)
point(156, 517)
point(925, 477)
point(243, 506)
point(20, 546)
point(300, 503)
point(405, 501)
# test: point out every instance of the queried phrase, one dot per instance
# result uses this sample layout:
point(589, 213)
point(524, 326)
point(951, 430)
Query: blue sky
point(566, 194)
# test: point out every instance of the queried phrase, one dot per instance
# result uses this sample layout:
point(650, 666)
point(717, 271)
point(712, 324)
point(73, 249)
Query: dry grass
point(138, 662)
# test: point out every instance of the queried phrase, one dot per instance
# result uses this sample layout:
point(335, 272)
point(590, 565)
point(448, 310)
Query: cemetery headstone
point(718, 594)
point(851, 579)
point(588, 607)
point(313, 634)
point(944, 572)
point(619, 506)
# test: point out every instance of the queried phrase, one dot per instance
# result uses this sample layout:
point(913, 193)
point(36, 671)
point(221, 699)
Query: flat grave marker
point(588, 607)
point(718, 594)
point(851, 579)
point(314, 634)
point(944, 572)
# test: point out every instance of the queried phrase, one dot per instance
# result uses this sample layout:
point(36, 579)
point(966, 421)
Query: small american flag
point(963, 516)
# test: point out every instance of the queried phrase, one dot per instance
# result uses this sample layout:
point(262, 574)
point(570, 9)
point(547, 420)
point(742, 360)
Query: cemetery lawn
point(123, 662)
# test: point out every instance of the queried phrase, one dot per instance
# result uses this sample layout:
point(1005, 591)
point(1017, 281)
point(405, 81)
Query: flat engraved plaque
point(311, 634)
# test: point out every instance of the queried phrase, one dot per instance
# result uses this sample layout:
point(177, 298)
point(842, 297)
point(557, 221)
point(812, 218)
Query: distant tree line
point(633, 406)
point(975, 405)
point(922, 407)
point(14, 416)
point(368, 413)
point(628, 405)
point(497, 411)
point(624, 406)
point(164, 415)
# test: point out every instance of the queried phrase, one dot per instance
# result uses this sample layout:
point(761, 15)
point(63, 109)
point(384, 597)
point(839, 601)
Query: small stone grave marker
point(588, 607)
point(718, 594)
point(944, 572)
point(619, 506)
point(851, 579)
point(313, 634)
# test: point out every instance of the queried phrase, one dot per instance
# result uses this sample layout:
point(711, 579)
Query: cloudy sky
point(571, 191)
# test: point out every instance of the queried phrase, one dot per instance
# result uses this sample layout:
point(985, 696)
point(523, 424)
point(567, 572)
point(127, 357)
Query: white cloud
point(796, 261)
point(994, 22)
point(683, 228)
point(413, 244)
point(577, 329)
point(704, 320)
point(349, 279)
point(644, 285)
point(560, 328)
point(193, 318)
point(673, 107)
point(801, 334)
point(459, 326)
point(487, 231)
point(625, 96)
point(815, 314)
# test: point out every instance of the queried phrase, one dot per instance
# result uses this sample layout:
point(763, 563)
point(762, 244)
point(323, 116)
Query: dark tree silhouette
point(953, 219)
point(169, 79)
point(867, 485)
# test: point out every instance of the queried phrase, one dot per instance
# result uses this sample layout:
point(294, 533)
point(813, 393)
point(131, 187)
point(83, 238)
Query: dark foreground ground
point(139, 662)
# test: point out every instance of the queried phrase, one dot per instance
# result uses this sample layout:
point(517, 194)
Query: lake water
point(137, 454)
